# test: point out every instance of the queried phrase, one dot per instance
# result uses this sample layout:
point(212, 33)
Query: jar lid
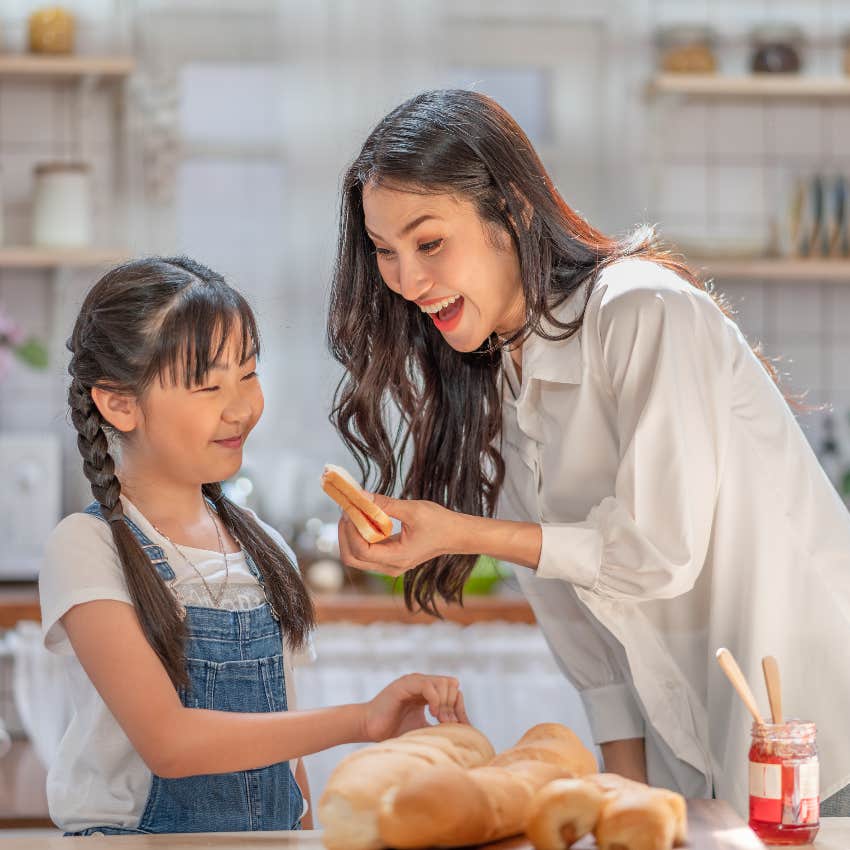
point(53, 167)
point(681, 34)
point(777, 34)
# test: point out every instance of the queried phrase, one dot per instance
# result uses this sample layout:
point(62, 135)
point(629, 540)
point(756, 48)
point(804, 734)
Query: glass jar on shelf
point(62, 205)
point(51, 30)
point(687, 49)
point(784, 782)
point(777, 49)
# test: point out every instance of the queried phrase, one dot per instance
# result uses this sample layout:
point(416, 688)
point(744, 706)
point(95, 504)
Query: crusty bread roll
point(615, 784)
point(372, 523)
point(635, 819)
point(348, 808)
point(622, 814)
point(445, 806)
point(562, 812)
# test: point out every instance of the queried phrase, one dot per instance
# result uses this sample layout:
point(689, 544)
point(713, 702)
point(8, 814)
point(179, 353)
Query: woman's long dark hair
point(463, 143)
point(166, 318)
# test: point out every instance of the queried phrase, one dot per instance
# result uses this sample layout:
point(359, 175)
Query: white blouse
point(682, 510)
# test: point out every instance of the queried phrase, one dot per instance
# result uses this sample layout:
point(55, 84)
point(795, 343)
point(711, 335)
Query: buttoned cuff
point(571, 552)
point(613, 713)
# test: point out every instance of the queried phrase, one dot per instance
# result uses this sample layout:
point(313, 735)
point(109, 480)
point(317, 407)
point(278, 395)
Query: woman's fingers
point(354, 551)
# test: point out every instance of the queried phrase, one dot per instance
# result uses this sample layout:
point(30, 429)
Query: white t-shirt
point(98, 778)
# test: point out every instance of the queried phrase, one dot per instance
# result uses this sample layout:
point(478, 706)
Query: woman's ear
point(120, 411)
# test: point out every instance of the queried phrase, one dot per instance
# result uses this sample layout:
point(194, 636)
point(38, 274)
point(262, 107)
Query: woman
point(583, 408)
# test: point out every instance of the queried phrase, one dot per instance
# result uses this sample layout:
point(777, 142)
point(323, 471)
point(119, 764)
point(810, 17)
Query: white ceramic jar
point(62, 205)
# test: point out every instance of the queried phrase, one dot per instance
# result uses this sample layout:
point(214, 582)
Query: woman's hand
point(427, 531)
point(400, 706)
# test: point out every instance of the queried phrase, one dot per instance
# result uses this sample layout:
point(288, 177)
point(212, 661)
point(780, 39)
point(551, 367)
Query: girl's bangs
point(195, 333)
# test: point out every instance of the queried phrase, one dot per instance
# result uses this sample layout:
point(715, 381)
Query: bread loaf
point(563, 812)
point(445, 806)
point(622, 814)
point(635, 819)
point(348, 808)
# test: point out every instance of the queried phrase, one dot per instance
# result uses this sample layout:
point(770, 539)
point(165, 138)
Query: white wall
point(267, 138)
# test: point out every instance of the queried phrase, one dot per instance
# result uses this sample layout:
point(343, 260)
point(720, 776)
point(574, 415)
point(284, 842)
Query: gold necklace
point(215, 600)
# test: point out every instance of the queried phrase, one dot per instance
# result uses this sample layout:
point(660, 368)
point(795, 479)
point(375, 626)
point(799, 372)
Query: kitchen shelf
point(27, 257)
point(751, 85)
point(20, 602)
point(30, 65)
point(775, 269)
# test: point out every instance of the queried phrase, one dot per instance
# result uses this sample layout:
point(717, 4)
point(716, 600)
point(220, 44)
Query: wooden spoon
point(774, 689)
point(733, 672)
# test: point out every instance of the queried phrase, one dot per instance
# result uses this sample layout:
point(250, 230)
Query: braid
point(155, 606)
point(98, 464)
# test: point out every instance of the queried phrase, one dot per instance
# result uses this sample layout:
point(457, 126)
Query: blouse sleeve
point(665, 354)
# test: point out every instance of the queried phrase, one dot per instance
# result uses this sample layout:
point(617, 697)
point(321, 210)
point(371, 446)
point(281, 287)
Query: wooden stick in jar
point(733, 672)
point(774, 689)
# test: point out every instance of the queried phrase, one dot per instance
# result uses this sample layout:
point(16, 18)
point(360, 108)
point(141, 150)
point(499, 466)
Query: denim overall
point(235, 663)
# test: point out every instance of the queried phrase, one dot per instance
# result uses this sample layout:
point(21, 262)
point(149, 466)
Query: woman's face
point(434, 250)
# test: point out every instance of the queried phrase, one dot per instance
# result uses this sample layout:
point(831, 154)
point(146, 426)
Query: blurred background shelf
point(25, 65)
point(752, 85)
point(775, 269)
point(27, 257)
point(20, 602)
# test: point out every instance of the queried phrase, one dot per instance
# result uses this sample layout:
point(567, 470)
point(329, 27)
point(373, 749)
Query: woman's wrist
point(516, 542)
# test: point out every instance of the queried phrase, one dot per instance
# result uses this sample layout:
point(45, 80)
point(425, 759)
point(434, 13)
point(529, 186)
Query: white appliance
point(30, 501)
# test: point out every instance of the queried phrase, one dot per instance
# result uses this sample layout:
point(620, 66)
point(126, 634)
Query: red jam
point(784, 782)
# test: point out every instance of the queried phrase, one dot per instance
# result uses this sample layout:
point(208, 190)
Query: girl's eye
point(431, 247)
point(249, 376)
point(208, 389)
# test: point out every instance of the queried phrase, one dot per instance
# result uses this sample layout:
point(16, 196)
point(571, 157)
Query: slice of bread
point(372, 523)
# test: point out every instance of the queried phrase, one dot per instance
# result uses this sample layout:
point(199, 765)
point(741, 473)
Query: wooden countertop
point(20, 602)
point(713, 826)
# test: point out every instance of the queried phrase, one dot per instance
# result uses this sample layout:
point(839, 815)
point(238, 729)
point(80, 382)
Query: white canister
point(62, 207)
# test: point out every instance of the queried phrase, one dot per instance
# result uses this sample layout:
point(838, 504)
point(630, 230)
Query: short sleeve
point(80, 565)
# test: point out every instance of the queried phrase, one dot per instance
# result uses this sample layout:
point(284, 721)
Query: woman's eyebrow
point(407, 227)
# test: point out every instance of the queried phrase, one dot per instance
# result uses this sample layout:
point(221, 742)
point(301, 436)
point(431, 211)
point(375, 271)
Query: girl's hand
point(400, 706)
point(427, 531)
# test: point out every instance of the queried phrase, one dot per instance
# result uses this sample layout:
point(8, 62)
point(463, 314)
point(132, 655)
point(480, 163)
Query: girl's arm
point(175, 741)
point(304, 785)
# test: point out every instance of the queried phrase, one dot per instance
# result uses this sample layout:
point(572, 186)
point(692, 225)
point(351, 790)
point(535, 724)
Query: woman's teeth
point(439, 305)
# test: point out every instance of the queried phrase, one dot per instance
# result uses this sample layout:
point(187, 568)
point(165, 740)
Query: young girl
point(582, 407)
point(179, 613)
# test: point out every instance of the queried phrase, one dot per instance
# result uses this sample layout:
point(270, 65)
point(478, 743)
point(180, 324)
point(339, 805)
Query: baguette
point(622, 814)
point(372, 523)
point(348, 808)
point(635, 819)
point(563, 812)
point(445, 806)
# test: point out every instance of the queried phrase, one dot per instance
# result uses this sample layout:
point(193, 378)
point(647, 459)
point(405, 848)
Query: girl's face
point(195, 435)
point(436, 251)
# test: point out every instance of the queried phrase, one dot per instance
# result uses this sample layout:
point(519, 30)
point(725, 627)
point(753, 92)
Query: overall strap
point(154, 552)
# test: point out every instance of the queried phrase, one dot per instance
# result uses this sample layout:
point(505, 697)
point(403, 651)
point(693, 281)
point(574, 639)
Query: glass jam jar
point(784, 782)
